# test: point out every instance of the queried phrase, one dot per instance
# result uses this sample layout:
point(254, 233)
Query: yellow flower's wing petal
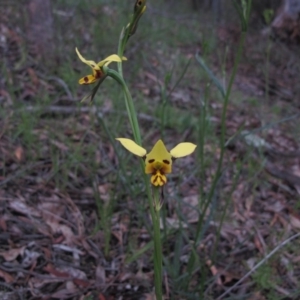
point(158, 157)
point(183, 149)
point(91, 63)
point(87, 79)
point(109, 59)
point(132, 147)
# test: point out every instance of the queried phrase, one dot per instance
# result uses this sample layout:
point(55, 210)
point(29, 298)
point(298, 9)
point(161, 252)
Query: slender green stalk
point(202, 133)
point(223, 133)
point(223, 214)
point(267, 70)
point(121, 48)
point(154, 202)
point(268, 14)
point(129, 105)
point(132, 113)
point(157, 244)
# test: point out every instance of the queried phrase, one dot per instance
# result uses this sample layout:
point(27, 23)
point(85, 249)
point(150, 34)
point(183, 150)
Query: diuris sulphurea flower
point(158, 161)
point(97, 67)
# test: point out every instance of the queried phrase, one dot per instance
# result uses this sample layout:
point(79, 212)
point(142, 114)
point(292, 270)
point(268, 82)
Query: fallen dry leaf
point(7, 277)
point(295, 221)
point(21, 207)
point(19, 153)
point(12, 254)
point(100, 274)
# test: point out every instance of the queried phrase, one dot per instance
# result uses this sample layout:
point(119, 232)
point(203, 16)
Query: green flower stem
point(157, 243)
point(129, 105)
point(154, 202)
point(121, 48)
point(132, 114)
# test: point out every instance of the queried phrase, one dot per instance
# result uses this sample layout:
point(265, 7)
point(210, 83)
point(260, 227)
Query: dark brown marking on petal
point(150, 161)
point(92, 65)
point(86, 79)
point(98, 74)
point(155, 179)
point(166, 161)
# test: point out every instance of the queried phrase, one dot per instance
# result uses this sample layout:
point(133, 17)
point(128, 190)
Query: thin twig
point(83, 109)
point(259, 264)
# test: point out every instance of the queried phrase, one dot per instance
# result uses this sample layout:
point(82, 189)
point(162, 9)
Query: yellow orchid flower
point(158, 161)
point(97, 67)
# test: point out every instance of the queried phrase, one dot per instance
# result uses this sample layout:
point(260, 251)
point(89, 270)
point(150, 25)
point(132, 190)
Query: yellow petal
point(91, 63)
point(183, 149)
point(109, 59)
point(132, 147)
point(87, 79)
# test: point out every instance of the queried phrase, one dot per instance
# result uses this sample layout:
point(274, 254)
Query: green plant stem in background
point(223, 134)
point(156, 205)
point(268, 15)
point(202, 135)
point(104, 214)
point(267, 69)
point(227, 202)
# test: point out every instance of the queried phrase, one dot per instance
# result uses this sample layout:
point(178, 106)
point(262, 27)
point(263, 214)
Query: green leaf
point(211, 75)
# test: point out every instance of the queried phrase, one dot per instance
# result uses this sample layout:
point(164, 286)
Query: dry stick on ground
point(59, 109)
point(259, 264)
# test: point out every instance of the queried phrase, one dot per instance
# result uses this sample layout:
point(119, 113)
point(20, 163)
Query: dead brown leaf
point(100, 274)
point(12, 254)
point(7, 277)
point(19, 153)
point(20, 206)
